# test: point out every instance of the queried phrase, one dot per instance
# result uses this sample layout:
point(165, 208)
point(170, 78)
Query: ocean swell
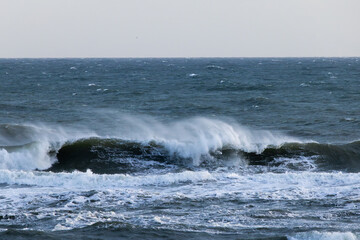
point(142, 143)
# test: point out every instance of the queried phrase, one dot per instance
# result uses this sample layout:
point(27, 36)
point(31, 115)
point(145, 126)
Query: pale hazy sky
point(179, 28)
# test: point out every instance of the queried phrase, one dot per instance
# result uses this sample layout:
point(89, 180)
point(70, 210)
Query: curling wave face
point(190, 142)
point(185, 144)
point(120, 156)
point(30, 147)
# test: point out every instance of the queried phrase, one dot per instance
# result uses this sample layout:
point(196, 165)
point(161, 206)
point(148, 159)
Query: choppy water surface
point(180, 148)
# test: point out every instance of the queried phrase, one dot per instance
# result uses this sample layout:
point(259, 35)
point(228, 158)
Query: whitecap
point(193, 75)
point(195, 137)
point(26, 147)
point(214, 67)
point(324, 236)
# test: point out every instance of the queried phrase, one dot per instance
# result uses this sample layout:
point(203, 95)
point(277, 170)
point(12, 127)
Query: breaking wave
point(140, 143)
point(120, 156)
point(29, 147)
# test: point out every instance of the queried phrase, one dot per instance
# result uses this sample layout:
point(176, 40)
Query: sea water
point(255, 148)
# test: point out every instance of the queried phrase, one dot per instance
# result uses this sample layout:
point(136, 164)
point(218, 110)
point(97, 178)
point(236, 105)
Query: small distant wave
point(193, 75)
point(214, 67)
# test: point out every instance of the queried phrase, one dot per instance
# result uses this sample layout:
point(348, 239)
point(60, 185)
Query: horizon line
point(278, 57)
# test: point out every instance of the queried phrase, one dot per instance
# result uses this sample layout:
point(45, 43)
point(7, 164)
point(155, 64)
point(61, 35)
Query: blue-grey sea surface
point(233, 148)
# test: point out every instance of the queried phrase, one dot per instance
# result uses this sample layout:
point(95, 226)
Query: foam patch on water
point(325, 236)
point(287, 186)
point(292, 185)
point(285, 164)
point(67, 198)
point(89, 180)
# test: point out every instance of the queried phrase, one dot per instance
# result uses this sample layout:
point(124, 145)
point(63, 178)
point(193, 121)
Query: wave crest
point(137, 143)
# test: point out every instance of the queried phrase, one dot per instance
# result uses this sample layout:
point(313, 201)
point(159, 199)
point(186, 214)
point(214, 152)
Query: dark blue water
point(180, 148)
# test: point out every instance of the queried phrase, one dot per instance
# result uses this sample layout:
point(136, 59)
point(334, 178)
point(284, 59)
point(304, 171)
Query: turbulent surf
point(179, 148)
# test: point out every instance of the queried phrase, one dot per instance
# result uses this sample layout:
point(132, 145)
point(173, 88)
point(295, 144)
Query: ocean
point(212, 148)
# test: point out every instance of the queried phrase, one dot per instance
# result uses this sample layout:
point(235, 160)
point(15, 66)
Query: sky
point(179, 28)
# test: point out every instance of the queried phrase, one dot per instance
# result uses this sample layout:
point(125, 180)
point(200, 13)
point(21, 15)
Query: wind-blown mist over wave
point(190, 141)
point(143, 143)
point(194, 137)
point(27, 157)
point(29, 147)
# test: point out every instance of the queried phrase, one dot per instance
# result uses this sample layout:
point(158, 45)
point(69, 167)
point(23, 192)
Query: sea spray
point(192, 137)
point(29, 146)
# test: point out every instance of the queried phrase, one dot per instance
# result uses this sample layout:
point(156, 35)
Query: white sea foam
point(77, 191)
point(301, 163)
point(288, 186)
point(27, 147)
point(324, 236)
point(82, 219)
point(89, 180)
point(32, 156)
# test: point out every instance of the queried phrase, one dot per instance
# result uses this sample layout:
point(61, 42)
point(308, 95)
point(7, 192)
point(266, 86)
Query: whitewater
point(179, 148)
